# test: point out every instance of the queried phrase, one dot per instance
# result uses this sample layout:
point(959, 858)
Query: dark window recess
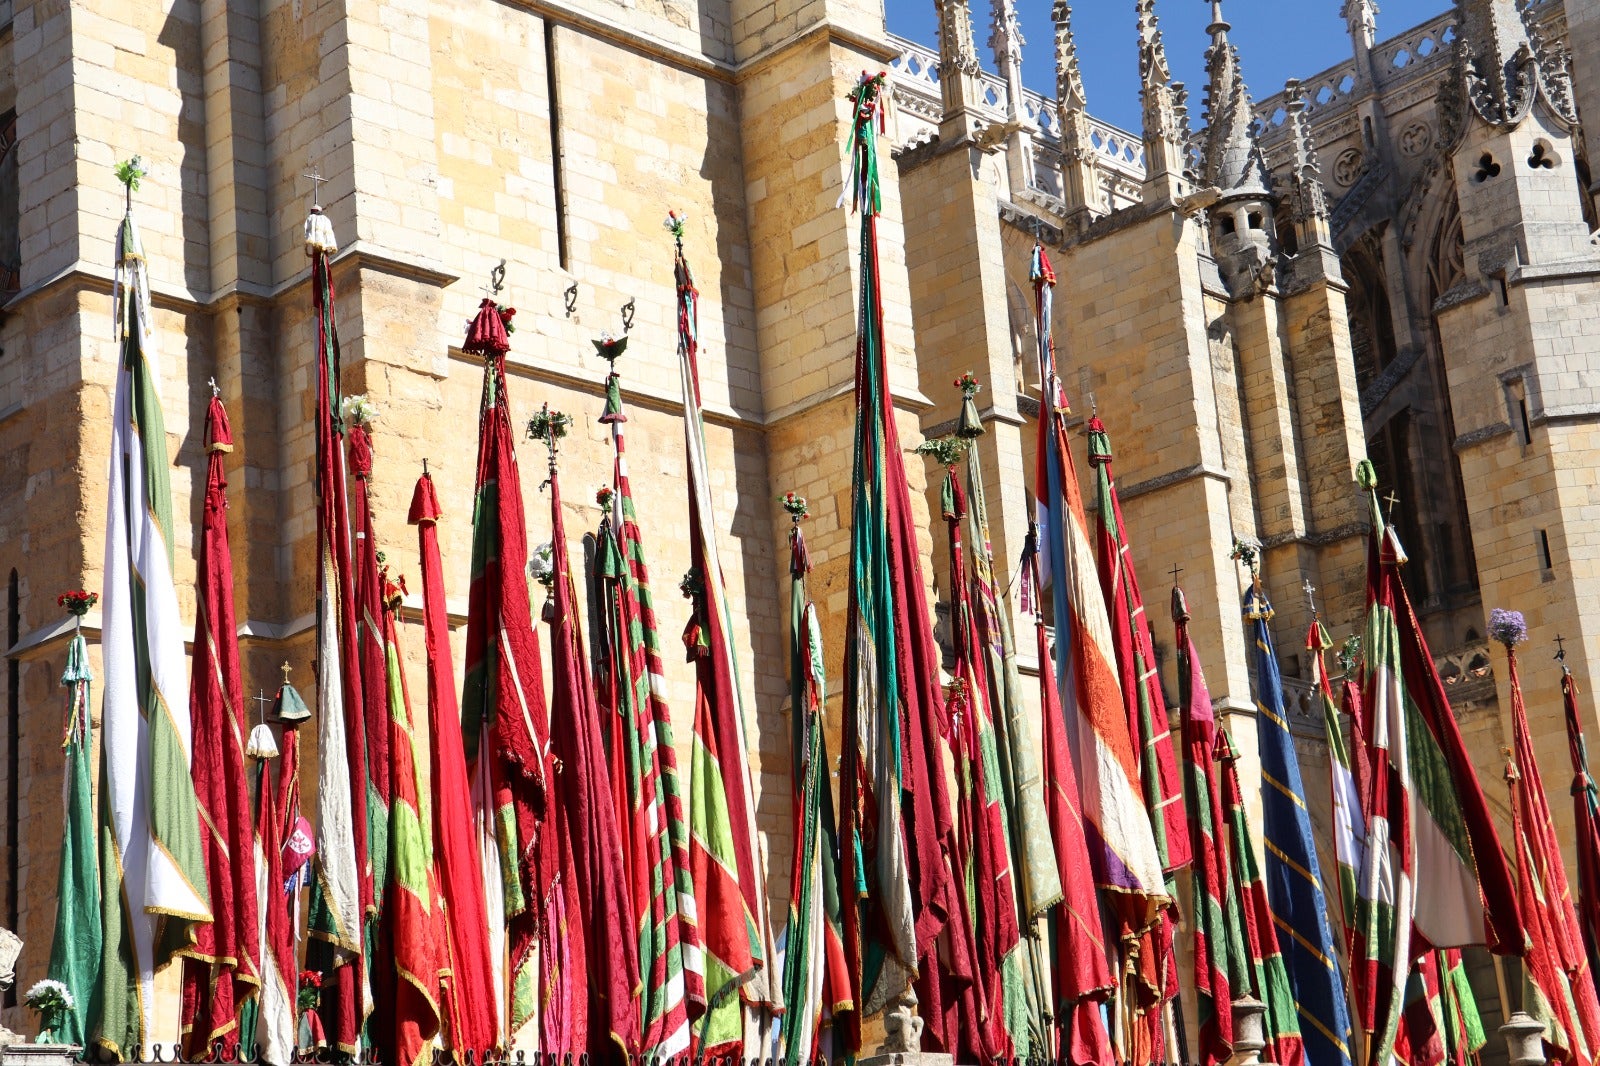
point(1544, 550)
point(1487, 168)
point(1526, 427)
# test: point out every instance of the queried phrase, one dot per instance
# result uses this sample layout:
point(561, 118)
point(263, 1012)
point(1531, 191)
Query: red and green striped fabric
point(816, 988)
point(1463, 1030)
point(1081, 977)
point(503, 720)
point(1346, 784)
point(603, 986)
point(726, 862)
point(982, 855)
point(1036, 882)
point(1430, 835)
point(374, 716)
point(1219, 958)
point(1557, 969)
point(1136, 662)
point(651, 806)
point(412, 956)
point(1268, 977)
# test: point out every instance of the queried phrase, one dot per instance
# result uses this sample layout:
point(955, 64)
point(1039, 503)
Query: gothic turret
point(1079, 189)
point(1166, 111)
point(1232, 162)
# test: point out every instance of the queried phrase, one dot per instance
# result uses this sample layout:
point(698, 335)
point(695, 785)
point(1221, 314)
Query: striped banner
point(1299, 907)
point(726, 861)
point(653, 821)
point(1122, 842)
point(152, 869)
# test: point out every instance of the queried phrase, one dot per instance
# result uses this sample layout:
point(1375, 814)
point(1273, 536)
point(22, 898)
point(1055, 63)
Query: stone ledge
point(96, 277)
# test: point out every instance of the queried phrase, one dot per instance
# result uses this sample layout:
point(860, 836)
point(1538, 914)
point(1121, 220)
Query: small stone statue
point(902, 1029)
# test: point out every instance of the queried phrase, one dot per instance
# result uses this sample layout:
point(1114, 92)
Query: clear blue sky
point(1277, 39)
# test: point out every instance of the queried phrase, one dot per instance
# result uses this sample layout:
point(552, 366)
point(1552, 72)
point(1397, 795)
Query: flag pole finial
point(1176, 570)
point(285, 668)
point(1311, 598)
point(1561, 649)
point(1391, 500)
point(315, 174)
point(261, 698)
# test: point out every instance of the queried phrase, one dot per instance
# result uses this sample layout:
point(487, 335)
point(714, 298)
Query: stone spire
point(1079, 186)
point(1361, 19)
point(1308, 199)
point(1166, 119)
point(1361, 16)
point(1506, 65)
point(1005, 41)
point(1232, 160)
point(959, 71)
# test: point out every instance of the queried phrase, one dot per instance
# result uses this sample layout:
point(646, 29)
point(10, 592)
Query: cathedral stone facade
point(1390, 259)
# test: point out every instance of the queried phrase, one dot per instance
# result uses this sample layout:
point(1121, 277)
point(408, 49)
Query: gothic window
point(1371, 327)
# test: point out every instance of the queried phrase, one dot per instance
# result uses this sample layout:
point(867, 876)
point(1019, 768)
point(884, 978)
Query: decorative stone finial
point(1069, 78)
point(1308, 200)
point(1506, 64)
point(958, 65)
point(1165, 106)
point(1232, 160)
point(1361, 16)
point(1006, 41)
point(1080, 191)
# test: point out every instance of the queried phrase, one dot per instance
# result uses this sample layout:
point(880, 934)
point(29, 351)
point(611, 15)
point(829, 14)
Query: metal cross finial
point(1391, 500)
point(317, 179)
point(1176, 570)
point(425, 468)
point(1561, 648)
point(1311, 596)
point(215, 392)
point(261, 698)
point(285, 668)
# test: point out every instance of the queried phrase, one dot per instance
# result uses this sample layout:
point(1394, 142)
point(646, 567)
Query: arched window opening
point(1372, 336)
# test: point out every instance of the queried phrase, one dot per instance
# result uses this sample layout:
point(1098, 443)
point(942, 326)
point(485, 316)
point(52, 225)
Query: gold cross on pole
point(285, 668)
